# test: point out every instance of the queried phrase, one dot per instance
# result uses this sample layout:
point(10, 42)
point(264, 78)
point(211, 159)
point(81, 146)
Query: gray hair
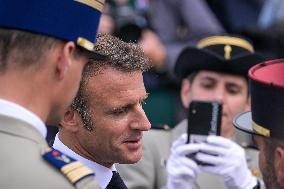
point(127, 57)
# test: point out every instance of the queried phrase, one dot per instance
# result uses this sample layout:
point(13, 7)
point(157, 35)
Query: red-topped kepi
point(267, 98)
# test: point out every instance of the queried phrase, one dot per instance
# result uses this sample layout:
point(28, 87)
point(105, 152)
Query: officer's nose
point(220, 94)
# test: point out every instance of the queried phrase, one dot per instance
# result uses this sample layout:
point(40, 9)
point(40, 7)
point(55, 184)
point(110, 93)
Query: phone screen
point(204, 118)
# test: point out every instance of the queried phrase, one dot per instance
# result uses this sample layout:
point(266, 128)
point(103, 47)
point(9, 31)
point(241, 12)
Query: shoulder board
point(161, 127)
point(69, 167)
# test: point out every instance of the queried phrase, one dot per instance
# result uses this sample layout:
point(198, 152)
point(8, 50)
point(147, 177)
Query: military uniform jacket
point(150, 171)
point(22, 165)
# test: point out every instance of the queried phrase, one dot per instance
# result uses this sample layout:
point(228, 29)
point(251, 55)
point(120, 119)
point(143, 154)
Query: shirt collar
point(17, 111)
point(102, 173)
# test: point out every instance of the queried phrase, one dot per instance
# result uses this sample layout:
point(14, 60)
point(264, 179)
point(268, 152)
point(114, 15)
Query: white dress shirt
point(17, 111)
point(102, 173)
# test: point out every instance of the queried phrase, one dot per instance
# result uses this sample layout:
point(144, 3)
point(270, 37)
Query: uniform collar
point(102, 173)
point(10, 109)
point(19, 128)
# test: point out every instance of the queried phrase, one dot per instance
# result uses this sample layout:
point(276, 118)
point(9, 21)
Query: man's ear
point(70, 120)
point(185, 92)
point(65, 59)
point(279, 165)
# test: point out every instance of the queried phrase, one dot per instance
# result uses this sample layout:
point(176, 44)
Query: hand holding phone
point(204, 118)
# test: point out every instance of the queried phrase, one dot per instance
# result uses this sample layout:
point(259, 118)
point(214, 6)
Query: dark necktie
point(116, 182)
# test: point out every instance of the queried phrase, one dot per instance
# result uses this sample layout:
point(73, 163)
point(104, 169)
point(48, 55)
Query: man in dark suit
point(105, 122)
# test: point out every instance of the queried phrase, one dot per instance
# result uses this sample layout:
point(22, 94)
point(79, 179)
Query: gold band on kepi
point(260, 130)
point(228, 40)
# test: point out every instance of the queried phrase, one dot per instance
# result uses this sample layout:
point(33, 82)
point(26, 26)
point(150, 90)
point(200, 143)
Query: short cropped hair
point(271, 144)
point(23, 49)
point(126, 57)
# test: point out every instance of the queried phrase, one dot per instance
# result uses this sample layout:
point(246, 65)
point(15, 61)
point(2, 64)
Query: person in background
point(44, 46)
point(265, 120)
point(131, 24)
point(176, 25)
point(175, 22)
point(214, 70)
point(105, 122)
point(237, 16)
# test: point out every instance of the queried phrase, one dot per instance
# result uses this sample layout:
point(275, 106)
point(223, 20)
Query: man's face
point(116, 99)
point(230, 90)
point(266, 164)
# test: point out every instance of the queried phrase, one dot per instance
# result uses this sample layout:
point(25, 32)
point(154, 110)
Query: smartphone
point(204, 118)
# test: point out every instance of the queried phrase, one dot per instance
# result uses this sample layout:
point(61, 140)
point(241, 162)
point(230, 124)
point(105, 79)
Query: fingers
point(213, 150)
point(219, 141)
point(187, 149)
point(213, 160)
point(182, 166)
point(181, 140)
point(178, 163)
point(180, 147)
point(182, 173)
point(187, 167)
point(179, 166)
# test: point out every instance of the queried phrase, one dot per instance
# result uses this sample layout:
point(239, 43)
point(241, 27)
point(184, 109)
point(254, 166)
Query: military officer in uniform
point(265, 120)
point(215, 70)
point(44, 46)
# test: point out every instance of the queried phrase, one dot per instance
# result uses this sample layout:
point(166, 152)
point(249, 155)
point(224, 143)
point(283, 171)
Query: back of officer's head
point(23, 48)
